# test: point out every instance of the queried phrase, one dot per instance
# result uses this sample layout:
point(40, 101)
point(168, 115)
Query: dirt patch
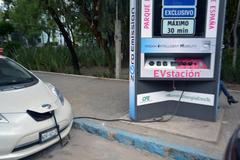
point(233, 86)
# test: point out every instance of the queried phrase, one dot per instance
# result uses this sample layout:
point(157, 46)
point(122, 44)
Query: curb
point(78, 76)
point(153, 145)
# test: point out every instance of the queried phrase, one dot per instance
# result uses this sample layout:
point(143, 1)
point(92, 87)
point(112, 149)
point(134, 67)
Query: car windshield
point(13, 74)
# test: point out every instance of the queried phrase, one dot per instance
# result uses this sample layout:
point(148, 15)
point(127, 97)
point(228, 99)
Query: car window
point(13, 74)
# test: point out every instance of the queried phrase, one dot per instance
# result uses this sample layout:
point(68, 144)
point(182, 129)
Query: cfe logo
point(146, 99)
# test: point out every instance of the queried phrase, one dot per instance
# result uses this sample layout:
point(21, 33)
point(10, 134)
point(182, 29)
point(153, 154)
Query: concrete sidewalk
point(109, 99)
point(84, 146)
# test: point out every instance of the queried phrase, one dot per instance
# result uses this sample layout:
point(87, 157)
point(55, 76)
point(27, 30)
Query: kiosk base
point(191, 99)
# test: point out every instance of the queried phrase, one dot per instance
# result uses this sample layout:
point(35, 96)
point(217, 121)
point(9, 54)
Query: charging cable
point(58, 129)
point(160, 119)
point(176, 109)
point(154, 120)
point(177, 106)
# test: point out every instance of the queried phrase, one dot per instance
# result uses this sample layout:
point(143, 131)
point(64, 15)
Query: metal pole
point(118, 39)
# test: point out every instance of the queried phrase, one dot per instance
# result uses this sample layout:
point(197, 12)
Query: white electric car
point(33, 114)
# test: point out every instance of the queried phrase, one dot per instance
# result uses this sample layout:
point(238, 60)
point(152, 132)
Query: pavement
point(92, 96)
point(104, 98)
point(89, 147)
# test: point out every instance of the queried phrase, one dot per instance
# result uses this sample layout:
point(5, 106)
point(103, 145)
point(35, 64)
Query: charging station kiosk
point(175, 58)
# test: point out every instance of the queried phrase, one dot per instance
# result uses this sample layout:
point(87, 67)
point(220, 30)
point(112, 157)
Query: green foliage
point(6, 28)
point(11, 47)
point(231, 12)
point(90, 57)
point(103, 74)
point(56, 59)
point(26, 16)
point(92, 26)
point(228, 73)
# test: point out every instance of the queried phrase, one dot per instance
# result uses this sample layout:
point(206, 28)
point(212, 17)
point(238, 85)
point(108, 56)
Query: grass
point(57, 59)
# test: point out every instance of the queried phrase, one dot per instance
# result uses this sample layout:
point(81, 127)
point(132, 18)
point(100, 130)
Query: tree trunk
point(235, 35)
point(229, 37)
point(103, 44)
point(93, 24)
point(67, 39)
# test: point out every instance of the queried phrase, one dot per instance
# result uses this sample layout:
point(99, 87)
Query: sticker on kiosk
point(178, 26)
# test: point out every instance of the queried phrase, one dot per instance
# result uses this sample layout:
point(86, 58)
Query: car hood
point(30, 98)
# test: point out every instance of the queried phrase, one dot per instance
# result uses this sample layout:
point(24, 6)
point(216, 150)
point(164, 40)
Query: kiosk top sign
point(179, 2)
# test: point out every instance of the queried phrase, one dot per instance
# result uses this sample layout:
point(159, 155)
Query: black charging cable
point(58, 129)
point(176, 109)
point(154, 120)
point(160, 119)
point(177, 106)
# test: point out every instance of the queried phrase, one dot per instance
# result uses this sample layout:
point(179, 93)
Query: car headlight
point(3, 119)
point(57, 93)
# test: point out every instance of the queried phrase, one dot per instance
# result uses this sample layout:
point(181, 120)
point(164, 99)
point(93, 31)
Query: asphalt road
point(91, 96)
point(84, 146)
point(109, 99)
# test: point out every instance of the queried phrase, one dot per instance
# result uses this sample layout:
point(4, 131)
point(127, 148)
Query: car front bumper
point(20, 137)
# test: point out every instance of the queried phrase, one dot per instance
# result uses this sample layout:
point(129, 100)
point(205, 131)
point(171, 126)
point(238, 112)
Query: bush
point(46, 58)
point(55, 59)
point(6, 28)
point(228, 73)
point(10, 48)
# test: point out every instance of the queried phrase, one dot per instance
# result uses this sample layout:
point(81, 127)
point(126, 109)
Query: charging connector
point(58, 130)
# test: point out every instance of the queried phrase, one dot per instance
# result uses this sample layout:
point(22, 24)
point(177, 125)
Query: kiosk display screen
point(177, 18)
